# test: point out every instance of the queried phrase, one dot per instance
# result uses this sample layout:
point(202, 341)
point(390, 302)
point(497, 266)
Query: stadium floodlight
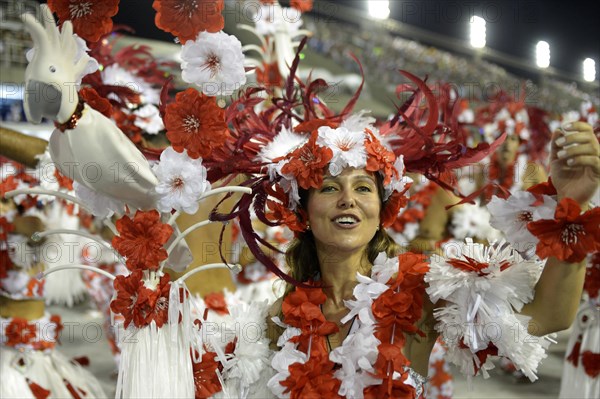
point(542, 54)
point(477, 32)
point(379, 9)
point(589, 70)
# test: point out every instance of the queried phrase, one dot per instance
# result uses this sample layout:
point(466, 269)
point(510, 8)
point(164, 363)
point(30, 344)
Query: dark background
point(572, 28)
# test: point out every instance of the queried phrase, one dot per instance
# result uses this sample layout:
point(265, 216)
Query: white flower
point(215, 62)
point(512, 215)
point(384, 268)
point(281, 362)
point(271, 18)
point(148, 119)
point(347, 146)
point(100, 205)
point(117, 76)
point(473, 221)
point(399, 182)
point(182, 181)
point(282, 144)
point(359, 122)
point(466, 116)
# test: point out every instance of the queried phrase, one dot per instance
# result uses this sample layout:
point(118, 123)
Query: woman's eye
point(364, 189)
point(327, 189)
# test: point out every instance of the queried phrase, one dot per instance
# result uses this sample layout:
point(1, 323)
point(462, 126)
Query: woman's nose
point(346, 200)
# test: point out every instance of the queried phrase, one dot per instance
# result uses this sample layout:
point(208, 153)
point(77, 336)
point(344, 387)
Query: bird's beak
point(41, 100)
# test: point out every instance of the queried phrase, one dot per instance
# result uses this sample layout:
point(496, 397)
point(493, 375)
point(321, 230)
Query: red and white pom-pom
point(483, 286)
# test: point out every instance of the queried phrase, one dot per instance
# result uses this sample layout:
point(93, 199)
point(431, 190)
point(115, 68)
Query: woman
point(343, 237)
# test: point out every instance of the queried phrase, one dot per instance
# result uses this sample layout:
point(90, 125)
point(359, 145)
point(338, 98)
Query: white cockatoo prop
point(94, 152)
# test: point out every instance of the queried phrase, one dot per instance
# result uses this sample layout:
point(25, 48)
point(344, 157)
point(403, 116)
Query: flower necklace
point(370, 362)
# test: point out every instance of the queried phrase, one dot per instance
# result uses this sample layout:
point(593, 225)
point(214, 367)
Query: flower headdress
point(289, 145)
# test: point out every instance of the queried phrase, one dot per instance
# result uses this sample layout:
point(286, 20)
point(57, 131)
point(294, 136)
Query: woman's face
point(508, 150)
point(344, 213)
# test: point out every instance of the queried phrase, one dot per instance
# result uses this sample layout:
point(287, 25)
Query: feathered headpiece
point(289, 144)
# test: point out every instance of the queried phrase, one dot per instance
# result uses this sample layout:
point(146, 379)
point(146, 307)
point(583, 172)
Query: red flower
point(591, 363)
point(314, 124)
point(301, 309)
point(126, 122)
point(302, 5)
point(269, 75)
point(128, 300)
point(160, 301)
point(63, 181)
point(195, 122)
point(545, 188)
point(91, 18)
point(389, 212)
point(314, 378)
point(140, 304)
point(308, 163)
point(216, 301)
point(390, 368)
point(19, 331)
point(570, 236)
point(5, 263)
point(8, 184)
point(141, 240)
point(205, 376)
point(380, 159)
point(94, 100)
point(283, 215)
point(185, 19)
point(5, 228)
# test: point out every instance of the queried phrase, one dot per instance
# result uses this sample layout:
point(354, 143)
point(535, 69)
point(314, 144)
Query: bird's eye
point(52, 68)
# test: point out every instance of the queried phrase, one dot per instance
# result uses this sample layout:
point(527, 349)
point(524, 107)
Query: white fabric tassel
point(153, 366)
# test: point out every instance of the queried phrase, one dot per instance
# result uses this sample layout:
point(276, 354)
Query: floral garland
point(369, 363)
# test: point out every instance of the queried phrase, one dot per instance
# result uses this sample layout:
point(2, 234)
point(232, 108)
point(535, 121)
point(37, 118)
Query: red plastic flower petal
point(91, 18)
point(63, 181)
point(216, 301)
point(380, 159)
point(5, 264)
point(141, 240)
point(94, 100)
point(302, 5)
point(185, 19)
point(570, 236)
point(206, 380)
point(307, 163)
point(19, 331)
point(5, 228)
point(195, 122)
point(8, 184)
point(282, 214)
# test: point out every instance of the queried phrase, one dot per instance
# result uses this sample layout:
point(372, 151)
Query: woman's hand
point(575, 162)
